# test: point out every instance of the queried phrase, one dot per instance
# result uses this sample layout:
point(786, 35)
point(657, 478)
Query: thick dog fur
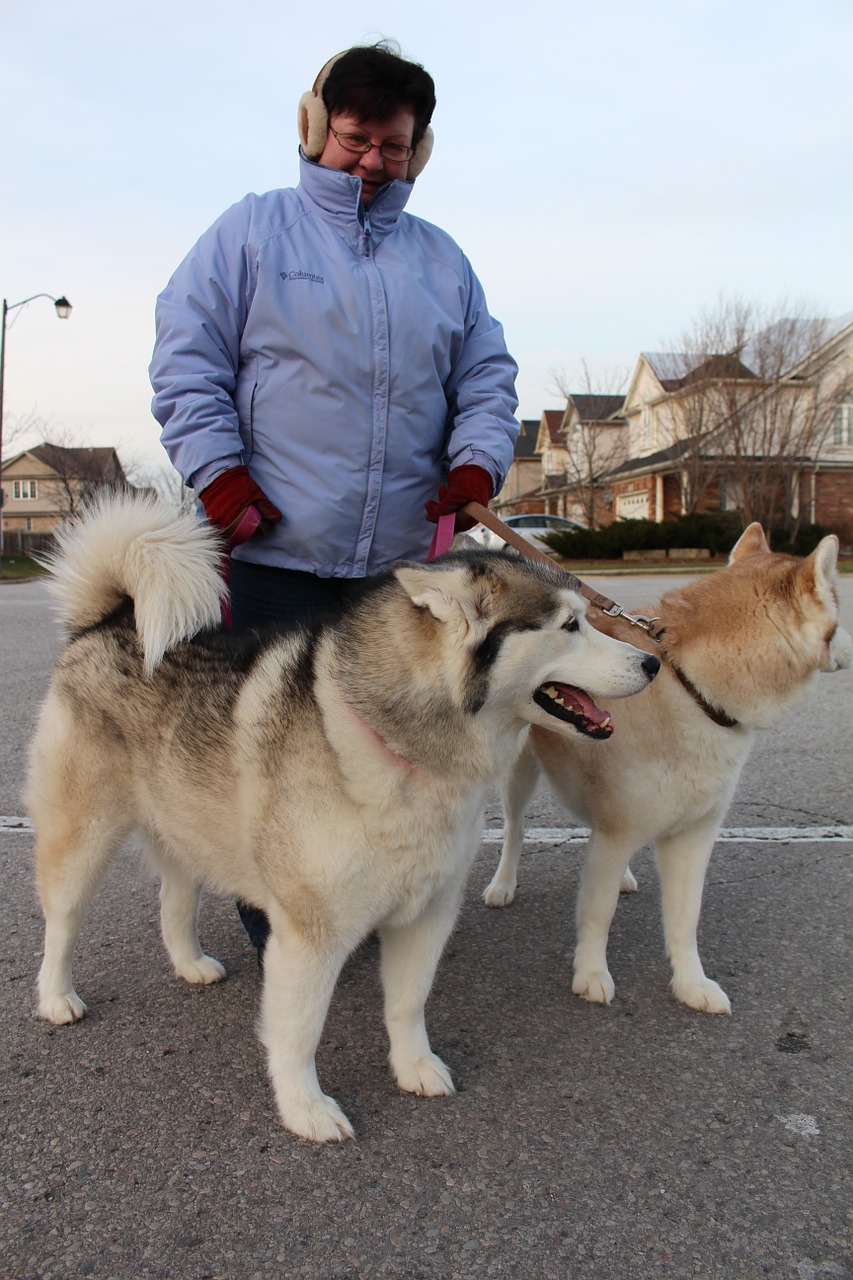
point(749, 638)
point(333, 777)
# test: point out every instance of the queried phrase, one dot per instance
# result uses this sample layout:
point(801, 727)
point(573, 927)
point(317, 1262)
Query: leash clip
point(640, 620)
point(636, 619)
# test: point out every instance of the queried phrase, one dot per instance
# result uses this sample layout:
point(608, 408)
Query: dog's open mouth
point(575, 707)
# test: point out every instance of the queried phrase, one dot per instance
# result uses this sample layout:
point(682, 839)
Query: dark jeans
point(261, 594)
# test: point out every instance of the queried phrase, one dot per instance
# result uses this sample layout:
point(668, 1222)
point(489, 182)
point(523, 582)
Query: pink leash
point(443, 536)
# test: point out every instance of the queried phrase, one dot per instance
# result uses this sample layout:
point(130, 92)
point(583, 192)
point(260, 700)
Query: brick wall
point(833, 492)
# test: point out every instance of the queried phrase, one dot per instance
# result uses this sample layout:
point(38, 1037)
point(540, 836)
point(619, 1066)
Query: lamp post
point(63, 311)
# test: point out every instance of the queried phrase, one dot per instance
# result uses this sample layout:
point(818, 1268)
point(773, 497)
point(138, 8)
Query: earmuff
point(312, 121)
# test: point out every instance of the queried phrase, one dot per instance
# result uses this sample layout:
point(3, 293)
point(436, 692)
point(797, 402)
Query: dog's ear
point(452, 595)
point(750, 543)
point(437, 590)
point(823, 561)
point(819, 574)
point(464, 542)
point(819, 571)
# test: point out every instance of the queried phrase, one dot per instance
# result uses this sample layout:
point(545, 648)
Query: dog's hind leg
point(682, 862)
point(70, 860)
point(603, 872)
point(76, 808)
point(179, 897)
point(410, 956)
point(300, 973)
point(518, 789)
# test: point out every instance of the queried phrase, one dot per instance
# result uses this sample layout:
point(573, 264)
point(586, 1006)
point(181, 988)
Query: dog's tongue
point(569, 703)
point(578, 701)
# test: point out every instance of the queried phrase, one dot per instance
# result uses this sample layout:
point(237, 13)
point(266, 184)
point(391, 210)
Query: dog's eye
point(571, 624)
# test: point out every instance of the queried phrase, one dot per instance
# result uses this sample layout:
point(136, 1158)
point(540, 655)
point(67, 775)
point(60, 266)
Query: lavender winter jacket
point(348, 359)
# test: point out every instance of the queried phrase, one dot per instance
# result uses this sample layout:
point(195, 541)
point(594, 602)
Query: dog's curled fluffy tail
point(136, 546)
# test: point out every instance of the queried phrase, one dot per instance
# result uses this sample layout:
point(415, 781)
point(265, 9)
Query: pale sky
point(611, 169)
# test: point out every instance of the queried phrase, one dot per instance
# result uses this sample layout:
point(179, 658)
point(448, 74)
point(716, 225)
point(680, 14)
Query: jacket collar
point(338, 195)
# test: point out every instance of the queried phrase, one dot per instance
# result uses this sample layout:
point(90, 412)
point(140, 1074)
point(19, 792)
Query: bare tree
point(593, 446)
point(164, 481)
point(18, 427)
point(752, 401)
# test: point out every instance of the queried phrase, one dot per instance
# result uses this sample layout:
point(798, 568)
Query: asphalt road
point(640, 1140)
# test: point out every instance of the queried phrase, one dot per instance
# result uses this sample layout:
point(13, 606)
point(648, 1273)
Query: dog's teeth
point(550, 691)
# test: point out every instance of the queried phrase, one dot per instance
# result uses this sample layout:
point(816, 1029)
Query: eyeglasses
point(357, 143)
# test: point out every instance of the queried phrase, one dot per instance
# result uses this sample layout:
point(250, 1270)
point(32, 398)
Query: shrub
point(802, 543)
point(718, 531)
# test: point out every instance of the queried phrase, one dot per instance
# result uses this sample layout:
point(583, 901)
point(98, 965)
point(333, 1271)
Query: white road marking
point(826, 834)
point(805, 1126)
point(733, 835)
point(8, 822)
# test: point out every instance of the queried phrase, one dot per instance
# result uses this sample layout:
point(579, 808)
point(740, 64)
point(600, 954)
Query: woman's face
point(371, 166)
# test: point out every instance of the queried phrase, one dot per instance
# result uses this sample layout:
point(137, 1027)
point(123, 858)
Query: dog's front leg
point(517, 791)
point(604, 867)
point(410, 956)
point(682, 863)
point(299, 978)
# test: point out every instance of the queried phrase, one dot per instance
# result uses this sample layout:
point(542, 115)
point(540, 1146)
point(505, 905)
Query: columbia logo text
point(310, 276)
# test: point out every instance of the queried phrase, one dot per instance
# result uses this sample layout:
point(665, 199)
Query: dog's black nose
point(651, 665)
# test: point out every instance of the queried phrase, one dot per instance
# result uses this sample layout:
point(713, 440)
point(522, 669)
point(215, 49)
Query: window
point(731, 494)
point(24, 489)
point(646, 436)
point(842, 426)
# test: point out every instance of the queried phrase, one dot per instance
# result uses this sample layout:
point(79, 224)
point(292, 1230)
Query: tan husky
point(738, 646)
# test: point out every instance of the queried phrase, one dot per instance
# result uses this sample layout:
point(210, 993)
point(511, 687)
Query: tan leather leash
point(595, 598)
point(605, 604)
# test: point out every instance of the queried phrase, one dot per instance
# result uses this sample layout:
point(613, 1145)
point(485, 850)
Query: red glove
point(464, 484)
point(228, 498)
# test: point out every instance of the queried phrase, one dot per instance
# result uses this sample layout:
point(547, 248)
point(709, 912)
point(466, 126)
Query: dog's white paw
point(203, 970)
point(319, 1121)
point(706, 995)
point(428, 1076)
point(499, 893)
point(628, 883)
point(596, 985)
point(62, 1009)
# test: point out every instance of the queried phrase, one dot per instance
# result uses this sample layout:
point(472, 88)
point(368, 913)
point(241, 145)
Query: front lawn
point(15, 568)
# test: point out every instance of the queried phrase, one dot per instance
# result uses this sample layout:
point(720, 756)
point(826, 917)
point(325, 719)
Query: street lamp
point(63, 311)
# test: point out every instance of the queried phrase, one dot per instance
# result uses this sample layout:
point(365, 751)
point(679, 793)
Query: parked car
point(532, 526)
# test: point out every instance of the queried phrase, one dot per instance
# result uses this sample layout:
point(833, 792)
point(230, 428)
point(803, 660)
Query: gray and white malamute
point(333, 777)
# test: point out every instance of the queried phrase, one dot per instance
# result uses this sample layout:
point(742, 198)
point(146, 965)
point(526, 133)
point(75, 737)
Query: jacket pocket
point(244, 402)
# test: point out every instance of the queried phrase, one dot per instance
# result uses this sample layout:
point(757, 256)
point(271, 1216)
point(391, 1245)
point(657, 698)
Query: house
point(550, 443)
point(525, 473)
point(767, 430)
point(539, 465)
point(666, 411)
point(45, 485)
point(536, 478)
point(594, 433)
point(763, 427)
point(573, 444)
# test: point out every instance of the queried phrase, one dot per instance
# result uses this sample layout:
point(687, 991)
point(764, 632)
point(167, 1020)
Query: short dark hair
point(373, 82)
